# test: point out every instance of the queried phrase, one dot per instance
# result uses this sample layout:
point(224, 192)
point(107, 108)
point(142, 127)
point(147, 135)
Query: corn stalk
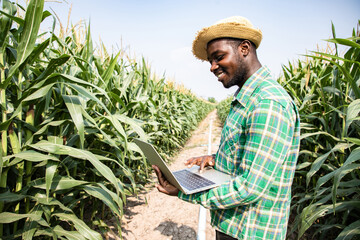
point(325, 200)
point(72, 160)
point(326, 89)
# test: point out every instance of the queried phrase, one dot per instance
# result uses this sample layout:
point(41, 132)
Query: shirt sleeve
point(268, 140)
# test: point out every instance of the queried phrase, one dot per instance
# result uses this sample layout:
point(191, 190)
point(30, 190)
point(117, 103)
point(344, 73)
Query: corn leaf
point(352, 112)
point(50, 171)
point(1, 160)
point(31, 155)
point(350, 231)
point(109, 70)
point(353, 140)
point(33, 18)
point(30, 225)
point(346, 42)
point(116, 124)
point(40, 48)
point(86, 94)
point(82, 82)
point(346, 168)
point(134, 124)
point(39, 93)
point(312, 212)
point(49, 124)
point(89, 45)
point(324, 179)
point(9, 217)
point(348, 78)
point(59, 183)
point(320, 160)
point(83, 229)
point(52, 65)
point(305, 135)
point(334, 57)
point(44, 200)
point(6, 21)
point(71, 235)
point(73, 104)
point(104, 170)
point(104, 196)
point(11, 197)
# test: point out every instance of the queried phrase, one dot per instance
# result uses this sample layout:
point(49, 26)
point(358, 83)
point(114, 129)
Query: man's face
point(226, 63)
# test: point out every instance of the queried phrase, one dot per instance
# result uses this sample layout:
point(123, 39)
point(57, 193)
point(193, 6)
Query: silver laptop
point(187, 180)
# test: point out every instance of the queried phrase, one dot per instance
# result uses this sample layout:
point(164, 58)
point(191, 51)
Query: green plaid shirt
point(259, 146)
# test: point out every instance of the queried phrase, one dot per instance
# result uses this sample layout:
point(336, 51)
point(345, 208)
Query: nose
point(213, 66)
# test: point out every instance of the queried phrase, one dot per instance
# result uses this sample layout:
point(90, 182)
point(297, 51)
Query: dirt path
point(154, 215)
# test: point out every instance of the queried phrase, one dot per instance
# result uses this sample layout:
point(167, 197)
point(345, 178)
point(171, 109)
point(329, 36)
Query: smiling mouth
point(219, 75)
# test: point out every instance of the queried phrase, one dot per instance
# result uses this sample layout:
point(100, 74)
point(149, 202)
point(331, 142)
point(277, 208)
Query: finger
point(190, 165)
point(156, 169)
point(202, 164)
point(161, 189)
point(186, 162)
point(189, 161)
point(159, 175)
point(212, 162)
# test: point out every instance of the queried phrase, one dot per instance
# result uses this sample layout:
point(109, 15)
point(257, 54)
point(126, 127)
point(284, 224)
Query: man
point(259, 142)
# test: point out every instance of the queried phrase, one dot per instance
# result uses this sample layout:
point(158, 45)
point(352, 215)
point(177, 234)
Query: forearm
point(228, 195)
point(267, 144)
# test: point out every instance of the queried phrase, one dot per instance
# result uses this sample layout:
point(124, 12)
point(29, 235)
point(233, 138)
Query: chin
point(228, 85)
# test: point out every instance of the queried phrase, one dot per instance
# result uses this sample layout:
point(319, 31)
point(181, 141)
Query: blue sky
point(162, 31)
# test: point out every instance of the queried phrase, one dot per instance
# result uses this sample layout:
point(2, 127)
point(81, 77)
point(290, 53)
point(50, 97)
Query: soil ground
point(153, 215)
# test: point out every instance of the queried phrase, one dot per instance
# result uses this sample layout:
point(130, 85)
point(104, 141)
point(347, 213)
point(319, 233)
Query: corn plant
point(68, 117)
point(326, 196)
point(223, 109)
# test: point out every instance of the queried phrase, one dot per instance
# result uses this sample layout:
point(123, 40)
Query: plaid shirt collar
point(243, 94)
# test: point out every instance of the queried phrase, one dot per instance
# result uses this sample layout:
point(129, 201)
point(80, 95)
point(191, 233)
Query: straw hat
point(233, 27)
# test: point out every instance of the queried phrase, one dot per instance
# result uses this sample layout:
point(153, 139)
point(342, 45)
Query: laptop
point(187, 180)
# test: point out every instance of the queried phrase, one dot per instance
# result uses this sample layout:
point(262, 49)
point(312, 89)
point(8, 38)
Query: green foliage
point(67, 124)
point(326, 196)
point(223, 109)
point(212, 100)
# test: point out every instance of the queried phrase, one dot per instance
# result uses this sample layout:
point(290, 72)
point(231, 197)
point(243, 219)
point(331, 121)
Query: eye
point(219, 57)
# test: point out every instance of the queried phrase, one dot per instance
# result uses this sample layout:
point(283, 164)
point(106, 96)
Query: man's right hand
point(164, 185)
point(202, 161)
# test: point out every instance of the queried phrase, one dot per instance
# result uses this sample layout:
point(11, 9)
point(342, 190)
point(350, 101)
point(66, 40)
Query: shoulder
point(270, 89)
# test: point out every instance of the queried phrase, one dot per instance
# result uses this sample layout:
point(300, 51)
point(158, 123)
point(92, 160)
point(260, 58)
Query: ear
point(245, 48)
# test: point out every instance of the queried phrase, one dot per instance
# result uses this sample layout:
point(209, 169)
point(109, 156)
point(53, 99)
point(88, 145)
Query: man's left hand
point(164, 186)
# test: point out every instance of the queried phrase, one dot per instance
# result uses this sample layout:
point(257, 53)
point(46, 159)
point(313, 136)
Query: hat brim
point(223, 30)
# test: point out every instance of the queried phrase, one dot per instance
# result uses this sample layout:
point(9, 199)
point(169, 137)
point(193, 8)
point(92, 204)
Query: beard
point(239, 77)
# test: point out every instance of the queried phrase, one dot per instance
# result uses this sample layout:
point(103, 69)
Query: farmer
point(259, 142)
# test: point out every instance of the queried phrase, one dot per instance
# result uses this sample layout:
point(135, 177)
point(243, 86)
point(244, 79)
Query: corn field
point(326, 188)
point(222, 109)
point(68, 117)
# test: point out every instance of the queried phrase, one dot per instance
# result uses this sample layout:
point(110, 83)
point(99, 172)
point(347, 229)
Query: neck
point(253, 67)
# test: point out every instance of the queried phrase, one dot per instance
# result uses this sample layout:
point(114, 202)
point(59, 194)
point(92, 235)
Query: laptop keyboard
point(191, 180)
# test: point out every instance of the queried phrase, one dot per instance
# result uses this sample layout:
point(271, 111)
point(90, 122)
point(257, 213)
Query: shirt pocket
point(233, 146)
